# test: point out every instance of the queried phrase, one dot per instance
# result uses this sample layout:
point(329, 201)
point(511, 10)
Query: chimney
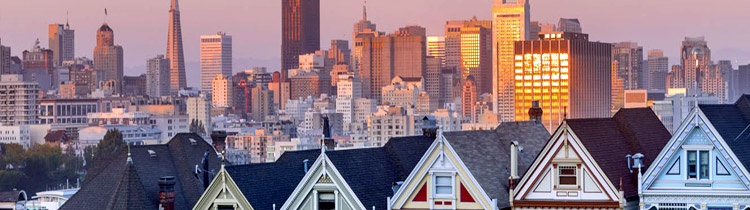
point(535, 112)
point(219, 140)
point(514, 150)
point(305, 163)
point(166, 192)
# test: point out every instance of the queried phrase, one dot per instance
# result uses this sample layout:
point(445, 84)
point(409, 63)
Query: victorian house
point(704, 165)
point(592, 163)
point(471, 169)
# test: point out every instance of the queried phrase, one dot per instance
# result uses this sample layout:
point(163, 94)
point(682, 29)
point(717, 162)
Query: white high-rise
point(216, 58)
point(157, 77)
point(510, 21)
point(221, 91)
point(18, 100)
point(349, 88)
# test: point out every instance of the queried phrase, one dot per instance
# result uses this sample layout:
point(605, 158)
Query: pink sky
point(141, 25)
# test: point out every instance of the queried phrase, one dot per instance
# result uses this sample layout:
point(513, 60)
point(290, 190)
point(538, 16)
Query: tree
point(14, 155)
point(110, 144)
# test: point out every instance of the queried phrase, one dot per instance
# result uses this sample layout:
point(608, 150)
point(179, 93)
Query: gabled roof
point(55, 136)
point(176, 158)
point(128, 193)
point(487, 154)
point(369, 172)
point(732, 121)
point(609, 140)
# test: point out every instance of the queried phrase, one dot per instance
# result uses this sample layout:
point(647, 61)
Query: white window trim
point(557, 176)
point(711, 167)
point(433, 177)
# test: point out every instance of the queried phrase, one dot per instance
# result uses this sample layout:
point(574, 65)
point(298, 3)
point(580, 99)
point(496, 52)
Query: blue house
point(704, 165)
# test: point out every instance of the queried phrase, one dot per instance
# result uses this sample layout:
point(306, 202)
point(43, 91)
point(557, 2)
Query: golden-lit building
point(510, 21)
point(476, 57)
point(567, 74)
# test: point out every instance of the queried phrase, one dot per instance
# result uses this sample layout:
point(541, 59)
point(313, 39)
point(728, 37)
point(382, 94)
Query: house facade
point(584, 164)
point(704, 164)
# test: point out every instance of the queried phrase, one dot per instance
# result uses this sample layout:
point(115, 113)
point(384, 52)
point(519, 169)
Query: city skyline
point(263, 49)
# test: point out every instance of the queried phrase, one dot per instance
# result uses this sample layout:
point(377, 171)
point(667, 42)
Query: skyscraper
point(432, 78)
point(61, 42)
point(364, 24)
point(176, 58)
point(216, 58)
point(569, 25)
point(20, 105)
point(221, 91)
point(476, 57)
point(627, 72)
point(300, 31)
point(566, 73)
point(468, 98)
point(510, 20)
point(658, 67)
point(436, 47)
point(695, 57)
point(157, 77)
point(340, 53)
point(108, 57)
point(4, 59)
point(453, 38)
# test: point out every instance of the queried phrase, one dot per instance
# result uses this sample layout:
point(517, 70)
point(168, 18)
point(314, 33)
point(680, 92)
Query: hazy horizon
point(140, 26)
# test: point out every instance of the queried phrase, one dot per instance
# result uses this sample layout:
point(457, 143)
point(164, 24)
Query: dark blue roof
point(369, 172)
point(732, 121)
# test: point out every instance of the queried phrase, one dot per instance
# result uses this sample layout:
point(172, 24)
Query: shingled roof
point(487, 154)
point(609, 140)
point(176, 158)
point(732, 121)
point(369, 172)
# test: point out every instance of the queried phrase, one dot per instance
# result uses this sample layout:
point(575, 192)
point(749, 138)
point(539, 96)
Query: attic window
point(193, 142)
point(567, 176)
point(151, 153)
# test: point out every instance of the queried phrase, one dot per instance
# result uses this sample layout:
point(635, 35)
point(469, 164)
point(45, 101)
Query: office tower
point(402, 53)
point(134, 85)
point(38, 58)
point(157, 77)
point(569, 25)
point(402, 91)
point(281, 91)
point(108, 57)
point(348, 90)
point(713, 82)
point(340, 52)
point(221, 91)
point(468, 98)
point(199, 111)
point(695, 57)
point(178, 79)
point(510, 21)
point(743, 78)
point(453, 38)
point(627, 71)
point(85, 79)
point(19, 101)
point(432, 77)
point(216, 58)
point(300, 31)
point(310, 83)
point(476, 56)
point(61, 42)
point(658, 68)
point(448, 82)
point(262, 103)
point(436, 47)
point(729, 76)
point(338, 69)
point(4, 59)
point(567, 74)
point(363, 25)
point(535, 27)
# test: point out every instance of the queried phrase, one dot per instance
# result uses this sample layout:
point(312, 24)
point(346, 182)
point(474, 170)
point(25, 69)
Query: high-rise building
point(695, 57)
point(19, 102)
point(385, 57)
point(658, 68)
point(567, 74)
point(108, 57)
point(178, 79)
point(199, 110)
point(157, 77)
point(39, 58)
point(221, 91)
point(476, 56)
point(262, 103)
point(468, 98)
point(743, 76)
point(569, 25)
point(281, 91)
point(436, 47)
point(729, 77)
point(300, 31)
point(402, 91)
point(627, 71)
point(535, 27)
point(348, 90)
point(510, 21)
point(4, 59)
point(363, 25)
point(310, 83)
point(216, 58)
point(61, 42)
point(432, 78)
point(134, 85)
point(453, 38)
point(340, 53)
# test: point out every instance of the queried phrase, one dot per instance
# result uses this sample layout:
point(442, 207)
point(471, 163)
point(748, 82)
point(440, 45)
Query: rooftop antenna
point(364, 10)
point(67, 19)
point(105, 15)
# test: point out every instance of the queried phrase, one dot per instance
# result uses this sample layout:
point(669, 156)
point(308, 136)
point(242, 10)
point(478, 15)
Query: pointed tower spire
point(364, 10)
point(175, 54)
point(174, 6)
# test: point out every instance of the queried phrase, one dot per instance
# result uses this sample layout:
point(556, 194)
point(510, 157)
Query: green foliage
point(13, 155)
point(10, 179)
point(40, 167)
point(110, 145)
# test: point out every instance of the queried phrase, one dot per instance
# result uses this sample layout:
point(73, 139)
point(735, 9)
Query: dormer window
point(443, 186)
point(567, 176)
point(698, 164)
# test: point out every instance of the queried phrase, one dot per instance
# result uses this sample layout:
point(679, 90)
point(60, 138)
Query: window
point(326, 201)
point(720, 168)
point(567, 176)
point(223, 207)
point(443, 185)
point(698, 164)
point(675, 169)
